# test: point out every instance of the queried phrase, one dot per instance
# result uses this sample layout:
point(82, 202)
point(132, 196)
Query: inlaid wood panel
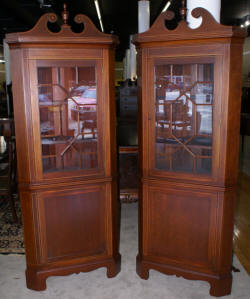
point(186, 221)
point(75, 222)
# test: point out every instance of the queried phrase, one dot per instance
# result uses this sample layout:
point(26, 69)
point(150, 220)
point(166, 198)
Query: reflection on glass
point(183, 117)
point(68, 117)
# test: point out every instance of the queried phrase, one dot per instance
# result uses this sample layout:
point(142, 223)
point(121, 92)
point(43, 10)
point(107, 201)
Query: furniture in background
point(7, 127)
point(127, 115)
point(244, 127)
point(245, 115)
point(128, 168)
point(127, 138)
point(128, 100)
point(189, 112)
point(8, 177)
point(64, 108)
point(245, 104)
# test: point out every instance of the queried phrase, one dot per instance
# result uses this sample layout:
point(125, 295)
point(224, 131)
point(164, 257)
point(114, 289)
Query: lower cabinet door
point(74, 222)
point(180, 226)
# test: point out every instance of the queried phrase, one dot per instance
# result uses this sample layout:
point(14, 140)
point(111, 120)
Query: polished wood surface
point(66, 144)
point(242, 222)
point(189, 120)
point(208, 29)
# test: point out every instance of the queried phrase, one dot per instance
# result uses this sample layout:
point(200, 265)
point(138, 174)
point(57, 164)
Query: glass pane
point(68, 116)
point(183, 117)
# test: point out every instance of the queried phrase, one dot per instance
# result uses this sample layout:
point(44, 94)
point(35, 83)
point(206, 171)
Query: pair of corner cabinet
point(189, 109)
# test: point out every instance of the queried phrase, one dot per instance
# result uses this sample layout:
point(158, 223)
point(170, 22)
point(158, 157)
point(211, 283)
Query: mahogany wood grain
point(69, 205)
point(186, 217)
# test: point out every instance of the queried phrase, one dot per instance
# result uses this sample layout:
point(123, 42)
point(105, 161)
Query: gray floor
point(127, 285)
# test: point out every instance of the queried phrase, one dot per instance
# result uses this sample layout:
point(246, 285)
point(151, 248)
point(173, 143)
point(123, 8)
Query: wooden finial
point(65, 14)
point(183, 10)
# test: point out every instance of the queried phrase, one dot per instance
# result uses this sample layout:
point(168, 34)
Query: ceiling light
point(245, 21)
point(99, 14)
point(166, 6)
point(43, 3)
point(2, 61)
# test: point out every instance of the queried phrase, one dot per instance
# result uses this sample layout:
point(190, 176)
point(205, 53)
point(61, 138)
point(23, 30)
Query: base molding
point(220, 285)
point(36, 277)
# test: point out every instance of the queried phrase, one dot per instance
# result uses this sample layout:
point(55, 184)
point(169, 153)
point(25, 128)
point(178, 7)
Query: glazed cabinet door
point(183, 117)
point(68, 100)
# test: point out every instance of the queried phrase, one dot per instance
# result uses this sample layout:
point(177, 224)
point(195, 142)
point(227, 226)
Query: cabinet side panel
point(140, 147)
point(227, 201)
point(20, 90)
point(234, 105)
point(109, 64)
point(30, 237)
point(108, 81)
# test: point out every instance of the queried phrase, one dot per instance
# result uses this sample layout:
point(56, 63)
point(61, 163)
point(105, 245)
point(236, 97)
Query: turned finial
point(183, 10)
point(65, 14)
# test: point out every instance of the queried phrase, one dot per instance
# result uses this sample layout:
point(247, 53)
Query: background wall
point(2, 68)
point(246, 63)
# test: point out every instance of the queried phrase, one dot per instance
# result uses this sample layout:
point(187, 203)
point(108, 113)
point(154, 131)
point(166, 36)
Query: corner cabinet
point(189, 111)
point(65, 132)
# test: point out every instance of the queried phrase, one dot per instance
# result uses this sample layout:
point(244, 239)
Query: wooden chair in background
point(8, 178)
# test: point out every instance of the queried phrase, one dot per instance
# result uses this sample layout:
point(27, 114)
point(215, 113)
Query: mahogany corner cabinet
point(65, 133)
point(189, 118)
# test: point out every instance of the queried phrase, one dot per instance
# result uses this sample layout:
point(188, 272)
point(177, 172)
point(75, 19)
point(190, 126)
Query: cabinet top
point(40, 33)
point(208, 29)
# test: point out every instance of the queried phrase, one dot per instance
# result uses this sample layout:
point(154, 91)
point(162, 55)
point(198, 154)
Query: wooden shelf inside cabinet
point(189, 107)
point(63, 87)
